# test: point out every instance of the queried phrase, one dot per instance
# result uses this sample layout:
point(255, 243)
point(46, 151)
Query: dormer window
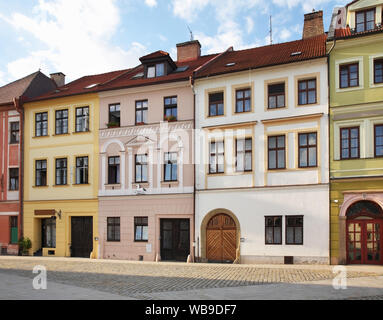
point(157, 70)
point(365, 20)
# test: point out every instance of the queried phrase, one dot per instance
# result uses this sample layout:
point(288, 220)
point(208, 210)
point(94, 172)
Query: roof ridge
point(200, 68)
point(131, 70)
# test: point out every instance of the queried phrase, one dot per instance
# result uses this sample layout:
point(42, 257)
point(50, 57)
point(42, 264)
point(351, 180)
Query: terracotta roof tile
point(154, 55)
point(15, 89)
point(288, 52)
point(347, 33)
point(84, 85)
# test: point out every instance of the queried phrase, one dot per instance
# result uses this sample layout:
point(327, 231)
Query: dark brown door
point(221, 239)
point(82, 237)
point(364, 241)
point(175, 239)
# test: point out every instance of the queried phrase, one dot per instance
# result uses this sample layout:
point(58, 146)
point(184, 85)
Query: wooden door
point(364, 241)
point(82, 237)
point(221, 239)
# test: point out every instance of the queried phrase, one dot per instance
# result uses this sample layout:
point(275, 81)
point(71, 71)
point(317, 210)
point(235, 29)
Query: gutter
point(18, 103)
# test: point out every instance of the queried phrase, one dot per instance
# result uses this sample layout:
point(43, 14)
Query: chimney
point(188, 51)
point(58, 78)
point(313, 24)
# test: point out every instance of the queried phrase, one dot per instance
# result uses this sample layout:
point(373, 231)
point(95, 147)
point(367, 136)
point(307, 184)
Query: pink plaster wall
point(153, 207)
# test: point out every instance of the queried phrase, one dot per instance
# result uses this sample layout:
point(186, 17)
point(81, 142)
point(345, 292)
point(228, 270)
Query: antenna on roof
point(191, 34)
point(271, 30)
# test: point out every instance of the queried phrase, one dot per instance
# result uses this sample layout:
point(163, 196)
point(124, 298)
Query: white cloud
point(307, 5)
point(75, 39)
point(249, 24)
point(151, 3)
point(229, 30)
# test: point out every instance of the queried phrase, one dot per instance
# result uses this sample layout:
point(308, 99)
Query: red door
point(364, 242)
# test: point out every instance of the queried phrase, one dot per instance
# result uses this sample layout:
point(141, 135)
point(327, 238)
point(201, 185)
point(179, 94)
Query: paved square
point(104, 279)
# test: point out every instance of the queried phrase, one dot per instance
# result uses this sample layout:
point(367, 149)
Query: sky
point(85, 37)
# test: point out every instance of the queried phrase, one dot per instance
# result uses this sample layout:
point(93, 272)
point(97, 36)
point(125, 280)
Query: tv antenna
point(191, 34)
point(271, 30)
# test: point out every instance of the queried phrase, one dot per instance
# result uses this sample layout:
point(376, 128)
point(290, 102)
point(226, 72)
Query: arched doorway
point(364, 230)
point(221, 239)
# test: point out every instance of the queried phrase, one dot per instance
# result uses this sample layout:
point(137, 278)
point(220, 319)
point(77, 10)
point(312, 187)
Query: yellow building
point(61, 169)
point(355, 45)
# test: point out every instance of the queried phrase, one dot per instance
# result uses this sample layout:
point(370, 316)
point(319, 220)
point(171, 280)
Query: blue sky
point(81, 37)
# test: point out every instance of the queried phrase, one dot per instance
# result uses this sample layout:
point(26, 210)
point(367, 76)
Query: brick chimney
point(313, 24)
point(188, 51)
point(58, 78)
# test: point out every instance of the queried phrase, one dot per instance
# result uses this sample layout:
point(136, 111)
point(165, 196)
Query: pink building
point(146, 191)
point(11, 128)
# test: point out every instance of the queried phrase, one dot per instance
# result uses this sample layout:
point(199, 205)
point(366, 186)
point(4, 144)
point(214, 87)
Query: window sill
point(14, 143)
point(141, 241)
point(60, 185)
point(243, 112)
point(170, 184)
point(308, 105)
point(82, 132)
point(142, 184)
point(80, 184)
point(40, 187)
point(217, 116)
point(61, 134)
point(38, 137)
point(276, 109)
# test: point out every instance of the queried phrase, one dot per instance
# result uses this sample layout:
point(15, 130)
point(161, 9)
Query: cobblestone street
point(144, 280)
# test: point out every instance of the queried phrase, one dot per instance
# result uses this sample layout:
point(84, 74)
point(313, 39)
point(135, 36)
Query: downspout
point(18, 103)
point(194, 171)
point(329, 144)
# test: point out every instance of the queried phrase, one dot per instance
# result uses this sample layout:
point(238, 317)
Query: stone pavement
point(99, 279)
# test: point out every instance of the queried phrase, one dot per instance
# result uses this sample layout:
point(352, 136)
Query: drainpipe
point(194, 171)
point(329, 145)
point(18, 103)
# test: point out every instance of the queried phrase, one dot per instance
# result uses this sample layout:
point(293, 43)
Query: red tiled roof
point(81, 85)
point(15, 89)
point(127, 80)
point(154, 55)
point(346, 33)
point(271, 55)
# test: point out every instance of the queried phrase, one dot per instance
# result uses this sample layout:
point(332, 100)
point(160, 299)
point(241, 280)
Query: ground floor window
point(114, 229)
point(294, 230)
point(48, 233)
point(273, 230)
point(141, 229)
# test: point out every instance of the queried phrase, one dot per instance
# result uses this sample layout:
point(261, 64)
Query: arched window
point(365, 208)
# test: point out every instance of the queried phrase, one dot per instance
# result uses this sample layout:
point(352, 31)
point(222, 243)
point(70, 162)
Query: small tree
point(25, 244)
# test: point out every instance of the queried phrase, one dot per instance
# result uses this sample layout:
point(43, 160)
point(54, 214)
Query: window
point(141, 168)
point(114, 170)
point(141, 112)
point(61, 122)
point(114, 115)
point(170, 109)
point(171, 167)
point(307, 150)
point(277, 152)
point(41, 124)
point(61, 172)
point(216, 106)
point(276, 96)
point(349, 75)
point(365, 20)
point(294, 230)
point(82, 119)
point(157, 70)
point(378, 71)
point(379, 140)
point(349, 143)
point(243, 101)
point(307, 92)
point(113, 229)
point(141, 229)
point(82, 170)
point(273, 230)
point(14, 179)
point(15, 133)
point(41, 173)
point(217, 157)
point(244, 154)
